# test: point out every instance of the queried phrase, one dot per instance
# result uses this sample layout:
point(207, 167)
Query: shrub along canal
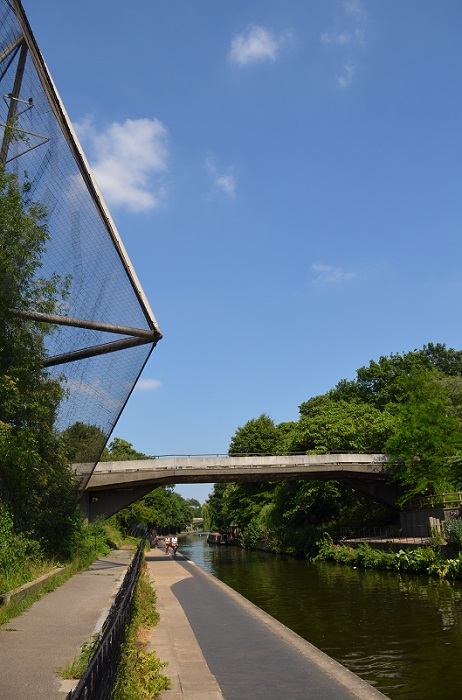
point(400, 632)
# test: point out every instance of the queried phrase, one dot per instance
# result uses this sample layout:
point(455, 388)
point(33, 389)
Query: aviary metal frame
point(25, 43)
point(106, 329)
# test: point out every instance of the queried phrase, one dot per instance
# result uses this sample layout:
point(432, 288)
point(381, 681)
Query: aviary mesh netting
point(84, 243)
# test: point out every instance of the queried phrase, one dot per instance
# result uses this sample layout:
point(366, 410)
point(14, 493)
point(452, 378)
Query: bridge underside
point(105, 499)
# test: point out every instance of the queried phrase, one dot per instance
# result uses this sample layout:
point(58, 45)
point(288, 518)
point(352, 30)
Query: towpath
point(34, 645)
point(217, 644)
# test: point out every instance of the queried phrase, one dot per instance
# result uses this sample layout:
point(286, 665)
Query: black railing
point(98, 680)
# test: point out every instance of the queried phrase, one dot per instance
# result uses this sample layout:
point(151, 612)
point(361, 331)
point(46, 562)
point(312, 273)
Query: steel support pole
point(14, 96)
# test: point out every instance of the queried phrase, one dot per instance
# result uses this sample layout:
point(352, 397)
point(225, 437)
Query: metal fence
point(98, 680)
point(418, 534)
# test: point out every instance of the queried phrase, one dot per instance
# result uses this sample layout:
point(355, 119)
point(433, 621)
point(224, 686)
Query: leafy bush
point(370, 558)
point(423, 560)
point(327, 550)
point(251, 535)
point(453, 530)
point(21, 558)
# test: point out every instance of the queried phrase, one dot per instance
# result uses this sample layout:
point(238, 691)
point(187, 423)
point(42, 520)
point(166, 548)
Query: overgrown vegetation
point(36, 486)
point(18, 567)
point(76, 667)
point(423, 560)
point(408, 406)
point(453, 531)
point(140, 672)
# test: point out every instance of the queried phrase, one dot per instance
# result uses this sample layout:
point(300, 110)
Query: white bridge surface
point(112, 486)
point(224, 468)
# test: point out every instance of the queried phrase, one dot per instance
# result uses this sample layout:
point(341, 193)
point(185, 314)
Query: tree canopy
point(36, 485)
point(82, 441)
point(408, 406)
point(120, 450)
point(161, 510)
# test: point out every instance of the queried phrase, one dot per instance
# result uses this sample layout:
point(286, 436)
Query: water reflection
point(401, 633)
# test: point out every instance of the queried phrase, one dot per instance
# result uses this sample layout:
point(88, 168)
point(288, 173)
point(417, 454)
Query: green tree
point(328, 425)
point(162, 509)
point(120, 450)
point(257, 436)
point(242, 502)
point(215, 517)
point(298, 503)
point(83, 442)
point(239, 503)
point(195, 506)
point(380, 383)
point(36, 485)
point(427, 435)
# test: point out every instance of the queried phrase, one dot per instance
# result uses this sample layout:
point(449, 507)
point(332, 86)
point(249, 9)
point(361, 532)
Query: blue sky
point(286, 178)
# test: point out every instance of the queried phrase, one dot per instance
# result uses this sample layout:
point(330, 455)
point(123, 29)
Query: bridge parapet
point(373, 462)
point(113, 485)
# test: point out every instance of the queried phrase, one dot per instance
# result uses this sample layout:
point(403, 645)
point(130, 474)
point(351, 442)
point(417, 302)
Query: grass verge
point(16, 607)
point(140, 673)
point(97, 540)
point(76, 667)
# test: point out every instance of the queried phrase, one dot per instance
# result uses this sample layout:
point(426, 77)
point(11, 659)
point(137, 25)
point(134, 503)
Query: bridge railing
point(98, 680)
point(419, 534)
point(201, 455)
point(442, 500)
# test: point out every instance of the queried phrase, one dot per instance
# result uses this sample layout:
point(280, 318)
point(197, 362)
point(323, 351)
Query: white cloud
point(353, 7)
point(348, 36)
point(148, 384)
point(256, 44)
point(328, 274)
point(223, 181)
point(340, 38)
point(125, 160)
point(346, 78)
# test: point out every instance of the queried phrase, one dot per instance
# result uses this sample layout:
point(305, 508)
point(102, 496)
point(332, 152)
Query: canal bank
point(400, 632)
point(219, 645)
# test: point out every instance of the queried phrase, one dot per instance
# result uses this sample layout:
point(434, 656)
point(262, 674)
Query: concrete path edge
point(353, 683)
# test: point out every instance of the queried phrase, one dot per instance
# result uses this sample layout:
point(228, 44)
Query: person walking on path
point(167, 544)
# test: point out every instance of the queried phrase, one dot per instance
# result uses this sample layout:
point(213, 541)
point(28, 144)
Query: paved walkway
point(217, 644)
point(51, 633)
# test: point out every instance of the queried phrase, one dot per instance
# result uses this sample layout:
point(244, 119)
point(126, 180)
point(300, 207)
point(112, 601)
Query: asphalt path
point(34, 645)
point(217, 644)
point(252, 655)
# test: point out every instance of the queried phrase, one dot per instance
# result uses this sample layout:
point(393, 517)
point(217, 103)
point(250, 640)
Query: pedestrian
point(174, 544)
point(167, 544)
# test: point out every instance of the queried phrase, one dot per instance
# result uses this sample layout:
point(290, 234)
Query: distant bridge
point(115, 485)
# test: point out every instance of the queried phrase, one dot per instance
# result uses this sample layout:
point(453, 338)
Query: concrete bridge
point(115, 485)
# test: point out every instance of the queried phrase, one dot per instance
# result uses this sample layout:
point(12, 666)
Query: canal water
point(401, 633)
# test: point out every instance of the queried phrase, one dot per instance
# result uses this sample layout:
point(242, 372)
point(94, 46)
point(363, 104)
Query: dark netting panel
point(39, 146)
